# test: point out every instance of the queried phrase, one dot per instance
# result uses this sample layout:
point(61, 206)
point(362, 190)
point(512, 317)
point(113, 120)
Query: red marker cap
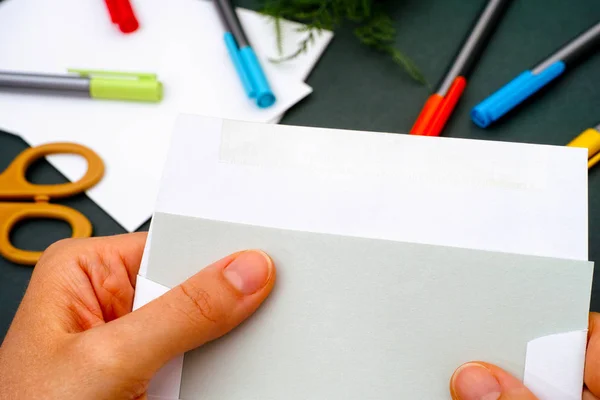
point(121, 14)
point(437, 110)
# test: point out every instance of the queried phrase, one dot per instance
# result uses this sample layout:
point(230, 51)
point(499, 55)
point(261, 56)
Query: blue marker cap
point(234, 53)
point(250, 72)
point(262, 91)
point(514, 93)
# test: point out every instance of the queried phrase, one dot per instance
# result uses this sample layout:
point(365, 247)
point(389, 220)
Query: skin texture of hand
point(74, 335)
point(483, 381)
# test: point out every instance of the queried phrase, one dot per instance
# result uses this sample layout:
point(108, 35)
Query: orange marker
point(439, 106)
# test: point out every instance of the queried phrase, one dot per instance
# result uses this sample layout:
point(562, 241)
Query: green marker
point(106, 85)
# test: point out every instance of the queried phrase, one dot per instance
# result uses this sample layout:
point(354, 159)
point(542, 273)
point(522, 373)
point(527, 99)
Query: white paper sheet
point(182, 42)
point(166, 381)
point(518, 198)
point(553, 366)
point(261, 28)
point(509, 197)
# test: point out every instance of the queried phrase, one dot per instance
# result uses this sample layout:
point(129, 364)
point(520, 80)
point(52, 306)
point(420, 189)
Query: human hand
point(483, 381)
point(74, 335)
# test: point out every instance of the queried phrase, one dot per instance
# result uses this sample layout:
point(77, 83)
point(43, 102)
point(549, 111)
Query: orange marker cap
point(437, 110)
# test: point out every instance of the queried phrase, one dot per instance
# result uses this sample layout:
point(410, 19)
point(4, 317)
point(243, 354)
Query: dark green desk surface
point(355, 88)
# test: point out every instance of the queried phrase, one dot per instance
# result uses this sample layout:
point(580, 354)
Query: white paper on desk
point(292, 33)
point(181, 41)
point(516, 198)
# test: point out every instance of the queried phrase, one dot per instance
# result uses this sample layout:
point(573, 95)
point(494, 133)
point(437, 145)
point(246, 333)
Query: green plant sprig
point(372, 26)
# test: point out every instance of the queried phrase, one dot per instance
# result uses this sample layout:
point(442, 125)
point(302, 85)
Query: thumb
point(203, 308)
point(483, 381)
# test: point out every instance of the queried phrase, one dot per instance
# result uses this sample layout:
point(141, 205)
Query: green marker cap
point(115, 85)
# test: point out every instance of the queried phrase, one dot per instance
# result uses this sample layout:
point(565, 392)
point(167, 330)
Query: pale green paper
point(356, 319)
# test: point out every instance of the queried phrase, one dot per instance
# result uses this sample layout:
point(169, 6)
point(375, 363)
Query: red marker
point(439, 106)
point(121, 14)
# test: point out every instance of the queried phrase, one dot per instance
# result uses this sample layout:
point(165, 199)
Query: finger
point(592, 357)
point(587, 395)
point(93, 278)
point(124, 250)
point(129, 248)
point(110, 265)
point(204, 307)
point(77, 280)
point(483, 381)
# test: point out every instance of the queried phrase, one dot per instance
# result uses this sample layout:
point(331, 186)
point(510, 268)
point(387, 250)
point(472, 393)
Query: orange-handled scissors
point(14, 186)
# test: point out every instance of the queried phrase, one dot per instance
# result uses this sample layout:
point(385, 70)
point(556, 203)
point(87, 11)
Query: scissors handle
point(12, 213)
point(14, 184)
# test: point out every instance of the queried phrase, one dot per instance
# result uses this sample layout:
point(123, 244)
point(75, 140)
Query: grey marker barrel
point(585, 43)
point(232, 23)
point(475, 43)
point(17, 81)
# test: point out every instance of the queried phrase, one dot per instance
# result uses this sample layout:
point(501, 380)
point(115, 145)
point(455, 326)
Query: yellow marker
point(589, 139)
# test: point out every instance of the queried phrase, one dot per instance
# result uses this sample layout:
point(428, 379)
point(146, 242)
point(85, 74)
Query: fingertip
point(592, 359)
point(130, 248)
point(481, 380)
point(474, 381)
point(272, 273)
point(587, 395)
point(508, 382)
point(593, 323)
point(271, 268)
point(249, 272)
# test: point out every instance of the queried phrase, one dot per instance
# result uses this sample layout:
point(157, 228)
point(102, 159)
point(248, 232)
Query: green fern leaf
point(372, 26)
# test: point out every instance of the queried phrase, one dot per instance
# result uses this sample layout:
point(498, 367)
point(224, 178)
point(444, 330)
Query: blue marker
point(530, 81)
point(246, 64)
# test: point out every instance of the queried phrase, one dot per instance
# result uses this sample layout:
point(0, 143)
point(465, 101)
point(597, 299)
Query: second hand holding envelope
point(399, 258)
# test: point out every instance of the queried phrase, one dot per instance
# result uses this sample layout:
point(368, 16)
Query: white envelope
point(529, 200)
